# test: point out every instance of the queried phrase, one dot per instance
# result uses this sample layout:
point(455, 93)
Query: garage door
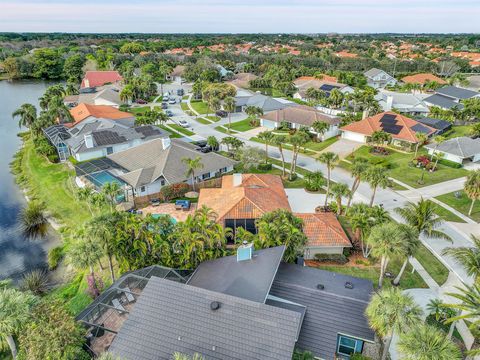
point(268, 124)
point(353, 136)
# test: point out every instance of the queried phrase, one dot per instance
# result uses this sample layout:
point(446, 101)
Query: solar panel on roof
point(392, 129)
point(148, 130)
point(421, 129)
point(328, 87)
point(105, 137)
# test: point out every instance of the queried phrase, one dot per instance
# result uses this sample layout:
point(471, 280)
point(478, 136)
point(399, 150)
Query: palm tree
point(320, 128)
point(192, 166)
point(380, 137)
point(472, 188)
point(27, 114)
point(101, 229)
point(426, 342)
point(267, 138)
point(377, 177)
point(34, 221)
point(213, 142)
point(111, 191)
point(442, 313)
point(469, 257)
point(314, 181)
point(297, 140)
point(213, 103)
point(358, 171)
point(386, 241)
point(58, 110)
point(438, 140)
point(279, 141)
point(410, 242)
point(127, 94)
point(330, 159)
point(421, 139)
point(468, 306)
point(391, 311)
point(422, 217)
point(229, 104)
point(338, 191)
point(15, 307)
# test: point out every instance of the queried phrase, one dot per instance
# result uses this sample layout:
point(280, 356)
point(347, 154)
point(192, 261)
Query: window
point(142, 189)
point(109, 150)
point(162, 182)
point(205, 176)
point(348, 346)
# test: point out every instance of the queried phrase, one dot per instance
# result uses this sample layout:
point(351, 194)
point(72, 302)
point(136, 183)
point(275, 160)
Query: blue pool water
point(101, 178)
point(156, 216)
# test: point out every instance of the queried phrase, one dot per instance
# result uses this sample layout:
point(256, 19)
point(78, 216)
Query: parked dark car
point(141, 101)
point(169, 112)
point(221, 113)
point(205, 149)
point(164, 105)
point(180, 92)
point(200, 143)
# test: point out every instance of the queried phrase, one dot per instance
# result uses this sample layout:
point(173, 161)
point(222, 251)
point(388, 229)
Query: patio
point(169, 209)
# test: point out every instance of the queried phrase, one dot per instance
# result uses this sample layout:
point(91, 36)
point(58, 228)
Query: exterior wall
point(101, 101)
point(97, 153)
point(310, 251)
point(353, 136)
point(449, 157)
point(149, 189)
point(476, 158)
point(268, 123)
point(332, 131)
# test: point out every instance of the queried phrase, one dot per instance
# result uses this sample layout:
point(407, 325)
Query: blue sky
point(246, 16)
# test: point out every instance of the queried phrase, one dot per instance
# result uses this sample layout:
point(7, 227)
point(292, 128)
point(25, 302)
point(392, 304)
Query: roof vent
point(320, 286)
point(214, 305)
point(245, 251)
point(348, 285)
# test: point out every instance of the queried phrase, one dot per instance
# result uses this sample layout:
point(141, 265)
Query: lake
point(17, 254)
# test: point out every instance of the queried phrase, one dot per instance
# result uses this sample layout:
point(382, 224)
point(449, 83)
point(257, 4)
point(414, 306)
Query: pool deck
point(169, 208)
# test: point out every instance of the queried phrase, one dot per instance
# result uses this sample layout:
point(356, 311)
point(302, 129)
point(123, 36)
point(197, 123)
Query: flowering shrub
point(169, 192)
point(423, 161)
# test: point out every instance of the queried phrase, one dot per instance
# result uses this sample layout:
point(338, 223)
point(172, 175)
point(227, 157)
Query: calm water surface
point(17, 255)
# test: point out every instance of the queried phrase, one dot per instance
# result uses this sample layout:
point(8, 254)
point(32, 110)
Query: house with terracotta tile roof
point(244, 198)
point(99, 78)
point(422, 79)
point(402, 129)
point(83, 111)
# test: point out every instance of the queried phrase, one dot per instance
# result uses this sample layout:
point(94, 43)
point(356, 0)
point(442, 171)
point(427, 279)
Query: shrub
point(36, 281)
point(337, 258)
point(54, 257)
point(169, 192)
point(450, 163)
point(264, 167)
point(314, 181)
point(254, 122)
point(358, 356)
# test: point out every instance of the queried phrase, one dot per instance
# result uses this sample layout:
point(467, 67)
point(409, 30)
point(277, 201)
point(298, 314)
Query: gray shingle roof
point(266, 103)
point(374, 72)
point(442, 101)
point(464, 147)
point(249, 279)
point(172, 317)
point(164, 162)
point(456, 92)
point(438, 124)
point(329, 312)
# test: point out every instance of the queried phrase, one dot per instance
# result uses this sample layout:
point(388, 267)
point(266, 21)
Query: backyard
point(457, 131)
point(460, 202)
point(400, 168)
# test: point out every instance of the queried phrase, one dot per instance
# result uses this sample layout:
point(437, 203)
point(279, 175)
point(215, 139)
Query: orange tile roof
point(83, 111)
point(321, 77)
point(371, 124)
point(256, 195)
point(99, 78)
point(422, 79)
point(323, 229)
point(346, 54)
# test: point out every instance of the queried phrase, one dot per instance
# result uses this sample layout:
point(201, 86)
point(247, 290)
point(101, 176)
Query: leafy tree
point(73, 67)
point(422, 216)
point(267, 138)
point(426, 342)
point(472, 188)
point(410, 243)
point(421, 139)
point(15, 309)
point(320, 127)
point(338, 191)
point(377, 177)
point(192, 166)
point(53, 334)
point(468, 257)
point(132, 48)
point(229, 105)
point(27, 114)
point(475, 130)
point(33, 220)
point(330, 159)
point(48, 64)
point(12, 68)
point(180, 356)
point(391, 311)
point(250, 157)
point(281, 227)
point(314, 181)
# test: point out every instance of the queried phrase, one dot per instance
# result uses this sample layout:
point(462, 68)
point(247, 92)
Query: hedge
point(338, 258)
point(450, 163)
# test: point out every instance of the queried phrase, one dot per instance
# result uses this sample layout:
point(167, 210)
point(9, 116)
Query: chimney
point(365, 114)
point(389, 103)
point(245, 251)
point(237, 179)
point(166, 142)
point(88, 140)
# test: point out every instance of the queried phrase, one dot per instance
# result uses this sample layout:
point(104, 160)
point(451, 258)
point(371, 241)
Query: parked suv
point(180, 92)
point(221, 113)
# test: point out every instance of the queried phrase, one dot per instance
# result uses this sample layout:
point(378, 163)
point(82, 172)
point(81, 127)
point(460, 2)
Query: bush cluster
point(337, 258)
point(169, 192)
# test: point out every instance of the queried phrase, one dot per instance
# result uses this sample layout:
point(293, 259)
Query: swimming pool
point(101, 178)
point(172, 219)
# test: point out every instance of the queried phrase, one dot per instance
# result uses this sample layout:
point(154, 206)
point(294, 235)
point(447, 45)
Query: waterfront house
point(93, 79)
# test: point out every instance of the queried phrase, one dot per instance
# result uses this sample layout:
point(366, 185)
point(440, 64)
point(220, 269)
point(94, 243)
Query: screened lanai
point(106, 314)
point(57, 135)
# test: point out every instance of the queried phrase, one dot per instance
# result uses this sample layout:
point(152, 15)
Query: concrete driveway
point(343, 147)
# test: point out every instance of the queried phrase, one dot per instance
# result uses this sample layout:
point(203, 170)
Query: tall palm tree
point(390, 311)
point(438, 140)
point(330, 159)
point(297, 140)
point(213, 142)
point(27, 114)
point(192, 166)
point(267, 138)
point(426, 342)
point(279, 141)
point(127, 94)
point(57, 110)
point(15, 308)
point(34, 221)
point(422, 217)
point(377, 177)
point(320, 128)
point(229, 104)
point(472, 188)
point(111, 191)
point(469, 257)
point(338, 191)
point(101, 229)
point(386, 241)
point(421, 139)
point(358, 171)
point(410, 242)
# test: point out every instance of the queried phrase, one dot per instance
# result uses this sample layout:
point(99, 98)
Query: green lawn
point(447, 215)
point(408, 281)
point(289, 147)
point(319, 146)
point(139, 110)
point(434, 267)
point(223, 130)
point(457, 131)
point(462, 204)
point(242, 125)
point(173, 135)
point(184, 106)
point(214, 118)
point(200, 107)
point(400, 169)
point(181, 129)
point(202, 121)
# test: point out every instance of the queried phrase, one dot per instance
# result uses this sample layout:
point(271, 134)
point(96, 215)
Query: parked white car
point(183, 123)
